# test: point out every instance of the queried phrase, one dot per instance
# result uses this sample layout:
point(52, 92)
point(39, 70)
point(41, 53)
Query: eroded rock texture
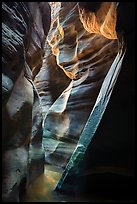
point(107, 167)
point(24, 29)
point(83, 42)
point(70, 79)
point(99, 18)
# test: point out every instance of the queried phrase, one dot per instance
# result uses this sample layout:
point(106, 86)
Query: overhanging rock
point(95, 117)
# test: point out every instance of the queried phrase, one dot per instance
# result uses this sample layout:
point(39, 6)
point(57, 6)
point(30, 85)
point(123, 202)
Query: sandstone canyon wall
point(25, 26)
point(50, 87)
point(83, 42)
point(70, 79)
point(103, 162)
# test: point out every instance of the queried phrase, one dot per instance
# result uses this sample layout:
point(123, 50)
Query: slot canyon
point(68, 101)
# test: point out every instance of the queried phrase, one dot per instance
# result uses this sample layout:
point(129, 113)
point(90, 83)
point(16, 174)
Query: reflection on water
point(41, 189)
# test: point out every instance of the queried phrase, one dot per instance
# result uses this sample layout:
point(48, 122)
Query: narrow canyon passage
point(68, 101)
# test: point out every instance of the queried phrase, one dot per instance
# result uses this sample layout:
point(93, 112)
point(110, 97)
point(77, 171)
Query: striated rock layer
point(103, 162)
point(70, 79)
point(102, 20)
point(24, 29)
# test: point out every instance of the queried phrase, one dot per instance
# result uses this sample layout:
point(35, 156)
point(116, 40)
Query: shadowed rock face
point(24, 29)
point(91, 6)
point(40, 25)
point(69, 81)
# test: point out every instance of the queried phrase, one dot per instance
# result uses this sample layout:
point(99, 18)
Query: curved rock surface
point(24, 29)
point(70, 79)
point(107, 166)
point(100, 21)
point(55, 99)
